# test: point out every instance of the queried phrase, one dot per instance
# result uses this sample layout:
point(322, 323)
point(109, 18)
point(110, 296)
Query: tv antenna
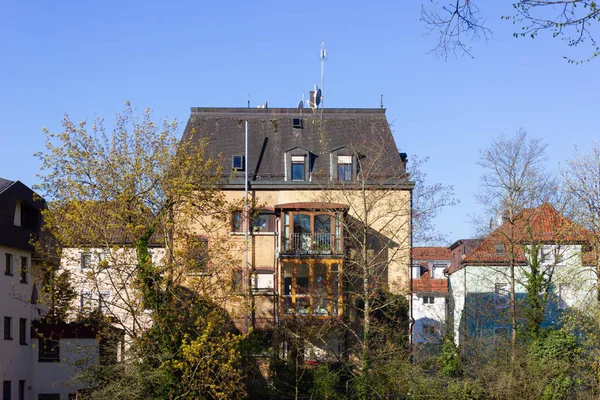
point(322, 55)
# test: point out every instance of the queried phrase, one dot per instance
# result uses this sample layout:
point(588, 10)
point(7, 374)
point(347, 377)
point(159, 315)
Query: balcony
point(311, 233)
point(311, 243)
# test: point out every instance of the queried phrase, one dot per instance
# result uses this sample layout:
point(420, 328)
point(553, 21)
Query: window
point(237, 221)
point(311, 233)
point(311, 288)
point(23, 331)
point(30, 216)
point(500, 248)
point(6, 390)
point(21, 390)
point(48, 350)
point(428, 299)
point(238, 163)
point(8, 266)
point(104, 301)
point(107, 350)
point(7, 328)
point(297, 123)
point(197, 254)
point(501, 295)
point(263, 222)
point(428, 329)
point(87, 300)
point(236, 281)
point(344, 168)
point(262, 281)
point(24, 268)
point(298, 168)
point(34, 294)
point(86, 260)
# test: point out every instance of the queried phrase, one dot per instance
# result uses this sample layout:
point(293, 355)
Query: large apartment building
point(328, 193)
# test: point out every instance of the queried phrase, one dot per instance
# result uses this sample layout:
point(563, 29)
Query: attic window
point(500, 248)
point(297, 123)
point(238, 163)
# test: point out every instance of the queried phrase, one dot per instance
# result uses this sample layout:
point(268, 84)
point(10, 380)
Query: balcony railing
point(312, 243)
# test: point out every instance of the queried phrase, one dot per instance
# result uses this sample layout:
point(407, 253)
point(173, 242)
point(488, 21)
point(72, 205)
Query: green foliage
point(538, 281)
point(449, 361)
point(326, 382)
point(558, 345)
point(559, 388)
point(60, 294)
point(465, 390)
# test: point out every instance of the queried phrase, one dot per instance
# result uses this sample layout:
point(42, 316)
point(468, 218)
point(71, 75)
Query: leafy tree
point(134, 195)
point(514, 180)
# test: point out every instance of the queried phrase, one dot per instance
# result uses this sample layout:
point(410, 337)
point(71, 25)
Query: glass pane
point(287, 305)
point(344, 172)
point(286, 238)
point(319, 291)
point(301, 239)
point(335, 289)
point(237, 222)
point(287, 279)
point(302, 279)
point(287, 288)
point(297, 171)
point(322, 236)
point(303, 305)
point(260, 222)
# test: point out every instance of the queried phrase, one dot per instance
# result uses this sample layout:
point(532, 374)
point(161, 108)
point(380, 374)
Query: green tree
point(122, 194)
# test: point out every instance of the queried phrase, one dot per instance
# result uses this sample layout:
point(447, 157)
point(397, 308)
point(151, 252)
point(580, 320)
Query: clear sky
point(87, 58)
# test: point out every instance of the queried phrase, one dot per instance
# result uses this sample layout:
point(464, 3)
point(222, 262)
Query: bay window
point(311, 287)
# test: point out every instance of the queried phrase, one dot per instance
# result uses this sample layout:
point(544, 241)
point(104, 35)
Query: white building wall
point(76, 355)
point(428, 315)
point(572, 284)
point(15, 303)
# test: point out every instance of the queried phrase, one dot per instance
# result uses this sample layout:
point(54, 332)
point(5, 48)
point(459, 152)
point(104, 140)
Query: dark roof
point(271, 134)
point(19, 236)
point(4, 183)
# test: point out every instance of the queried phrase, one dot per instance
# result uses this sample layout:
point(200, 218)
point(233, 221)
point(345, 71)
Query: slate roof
point(4, 183)
point(271, 133)
point(542, 224)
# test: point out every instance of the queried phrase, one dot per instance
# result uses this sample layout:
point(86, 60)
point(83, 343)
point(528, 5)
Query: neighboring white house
point(479, 282)
point(104, 281)
point(20, 282)
point(61, 354)
point(429, 293)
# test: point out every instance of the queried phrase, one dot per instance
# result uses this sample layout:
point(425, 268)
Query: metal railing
point(311, 243)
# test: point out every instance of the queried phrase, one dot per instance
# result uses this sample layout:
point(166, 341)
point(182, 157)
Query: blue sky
point(87, 58)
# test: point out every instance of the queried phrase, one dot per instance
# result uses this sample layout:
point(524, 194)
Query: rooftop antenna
point(381, 101)
point(322, 56)
point(248, 100)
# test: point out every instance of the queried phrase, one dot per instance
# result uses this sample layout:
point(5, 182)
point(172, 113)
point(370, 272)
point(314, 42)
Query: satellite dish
point(301, 104)
point(318, 97)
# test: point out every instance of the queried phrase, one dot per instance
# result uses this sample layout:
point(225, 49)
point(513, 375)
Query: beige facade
point(269, 264)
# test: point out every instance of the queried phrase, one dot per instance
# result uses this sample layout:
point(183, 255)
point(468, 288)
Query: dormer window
point(298, 168)
point(298, 163)
point(238, 163)
point(344, 164)
point(344, 168)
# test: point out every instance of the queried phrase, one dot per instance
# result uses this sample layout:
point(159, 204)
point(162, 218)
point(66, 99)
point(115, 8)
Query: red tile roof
point(542, 224)
point(430, 285)
point(431, 253)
